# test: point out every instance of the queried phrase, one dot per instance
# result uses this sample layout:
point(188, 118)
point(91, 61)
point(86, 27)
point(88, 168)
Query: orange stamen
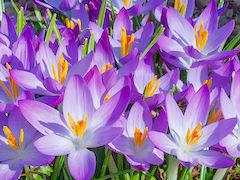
point(126, 42)
point(152, 87)
point(140, 137)
point(194, 136)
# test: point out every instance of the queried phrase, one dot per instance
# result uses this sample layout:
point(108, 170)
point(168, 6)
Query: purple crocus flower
point(190, 137)
point(191, 45)
point(185, 7)
point(230, 109)
point(16, 146)
point(134, 143)
point(80, 126)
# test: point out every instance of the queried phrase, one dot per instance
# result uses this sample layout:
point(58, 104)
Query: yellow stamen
point(215, 116)
point(208, 82)
point(69, 23)
point(139, 136)
point(152, 87)
point(201, 37)
point(127, 3)
point(14, 88)
point(11, 138)
point(194, 136)
point(79, 127)
point(178, 5)
point(79, 24)
point(107, 97)
point(105, 68)
point(126, 42)
point(62, 67)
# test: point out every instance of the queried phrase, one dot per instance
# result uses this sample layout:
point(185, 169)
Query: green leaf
point(234, 42)
point(115, 175)
point(120, 160)
point(203, 172)
point(14, 6)
point(55, 28)
point(105, 163)
point(153, 41)
point(21, 22)
point(136, 176)
point(220, 4)
point(102, 13)
point(58, 167)
point(85, 48)
point(50, 29)
point(91, 44)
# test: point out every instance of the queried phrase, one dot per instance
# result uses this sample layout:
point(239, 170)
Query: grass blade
point(58, 167)
point(102, 13)
point(50, 29)
point(21, 22)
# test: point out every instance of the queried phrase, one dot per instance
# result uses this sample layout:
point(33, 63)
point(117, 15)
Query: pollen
point(208, 82)
point(140, 137)
point(201, 37)
point(194, 136)
point(105, 68)
point(62, 69)
point(13, 93)
point(178, 5)
point(127, 3)
point(126, 42)
point(12, 141)
point(152, 87)
point(107, 97)
point(78, 128)
point(215, 116)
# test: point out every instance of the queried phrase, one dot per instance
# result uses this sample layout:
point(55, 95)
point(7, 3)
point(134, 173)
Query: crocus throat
point(194, 136)
point(62, 68)
point(126, 42)
point(105, 68)
point(178, 5)
point(201, 37)
point(79, 127)
point(140, 137)
point(70, 24)
point(11, 138)
point(127, 3)
point(13, 93)
point(208, 82)
point(152, 87)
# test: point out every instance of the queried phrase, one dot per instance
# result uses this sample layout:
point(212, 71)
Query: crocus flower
point(185, 7)
point(80, 127)
point(191, 45)
point(230, 109)
point(134, 143)
point(190, 136)
point(16, 146)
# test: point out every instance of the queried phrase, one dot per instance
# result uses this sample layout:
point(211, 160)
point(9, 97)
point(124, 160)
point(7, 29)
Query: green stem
point(105, 163)
point(220, 173)
point(203, 173)
point(120, 164)
point(114, 175)
point(185, 173)
point(172, 171)
point(57, 167)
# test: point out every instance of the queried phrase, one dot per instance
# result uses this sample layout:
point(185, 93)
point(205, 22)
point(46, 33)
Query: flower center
point(127, 3)
point(11, 138)
point(79, 127)
point(70, 24)
point(126, 42)
point(62, 68)
point(208, 82)
point(13, 92)
point(178, 5)
point(105, 68)
point(152, 87)
point(140, 137)
point(194, 136)
point(201, 37)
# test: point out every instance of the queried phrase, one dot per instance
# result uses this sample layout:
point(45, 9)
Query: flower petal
point(82, 164)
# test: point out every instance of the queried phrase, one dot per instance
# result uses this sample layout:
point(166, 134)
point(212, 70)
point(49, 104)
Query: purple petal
point(54, 145)
point(8, 173)
point(198, 108)
point(82, 164)
point(103, 135)
point(235, 94)
point(122, 20)
point(214, 159)
point(162, 141)
point(43, 117)
point(7, 28)
point(77, 99)
point(111, 110)
point(180, 27)
point(231, 143)
point(175, 116)
point(228, 109)
point(139, 117)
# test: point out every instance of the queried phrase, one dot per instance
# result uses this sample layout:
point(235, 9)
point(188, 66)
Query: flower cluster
point(141, 79)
